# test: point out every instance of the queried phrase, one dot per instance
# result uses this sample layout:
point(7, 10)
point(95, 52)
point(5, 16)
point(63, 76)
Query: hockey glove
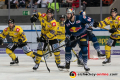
point(89, 31)
point(42, 38)
point(96, 24)
point(67, 41)
point(34, 18)
point(1, 41)
point(112, 30)
point(20, 41)
point(38, 39)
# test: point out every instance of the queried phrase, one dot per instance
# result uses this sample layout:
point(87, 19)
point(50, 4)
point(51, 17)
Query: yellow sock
point(30, 54)
point(57, 57)
point(38, 59)
point(11, 54)
point(107, 51)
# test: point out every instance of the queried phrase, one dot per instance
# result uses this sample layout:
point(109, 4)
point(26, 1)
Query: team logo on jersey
point(6, 29)
point(116, 22)
point(15, 33)
point(68, 24)
point(43, 15)
point(75, 29)
point(17, 29)
point(54, 24)
point(78, 21)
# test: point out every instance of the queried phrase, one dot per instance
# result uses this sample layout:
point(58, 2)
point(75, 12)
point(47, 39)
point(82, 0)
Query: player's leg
point(108, 46)
point(80, 61)
point(9, 50)
point(40, 49)
point(83, 45)
point(26, 49)
point(55, 44)
point(68, 54)
point(96, 44)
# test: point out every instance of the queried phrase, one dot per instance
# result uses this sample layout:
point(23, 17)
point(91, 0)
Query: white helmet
point(71, 10)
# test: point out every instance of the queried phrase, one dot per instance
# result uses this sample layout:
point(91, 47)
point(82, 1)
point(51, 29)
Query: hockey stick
point(42, 50)
point(104, 28)
point(64, 45)
point(72, 51)
point(36, 29)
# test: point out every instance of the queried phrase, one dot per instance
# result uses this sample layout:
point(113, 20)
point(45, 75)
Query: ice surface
point(24, 70)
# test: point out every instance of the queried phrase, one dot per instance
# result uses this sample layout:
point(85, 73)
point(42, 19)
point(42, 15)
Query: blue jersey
point(77, 28)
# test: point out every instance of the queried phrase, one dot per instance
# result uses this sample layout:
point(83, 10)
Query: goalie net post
point(92, 53)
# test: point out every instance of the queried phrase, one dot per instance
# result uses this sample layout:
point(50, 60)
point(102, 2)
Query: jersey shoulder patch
point(53, 24)
point(6, 29)
point(43, 15)
point(17, 29)
point(119, 18)
point(108, 18)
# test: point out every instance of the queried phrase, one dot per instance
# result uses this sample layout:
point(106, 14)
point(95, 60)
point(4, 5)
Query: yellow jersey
point(114, 23)
point(49, 28)
point(15, 34)
point(61, 32)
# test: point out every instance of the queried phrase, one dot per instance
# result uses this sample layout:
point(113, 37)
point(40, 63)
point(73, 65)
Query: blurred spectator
point(13, 3)
point(52, 5)
point(107, 2)
point(75, 4)
point(69, 3)
point(21, 3)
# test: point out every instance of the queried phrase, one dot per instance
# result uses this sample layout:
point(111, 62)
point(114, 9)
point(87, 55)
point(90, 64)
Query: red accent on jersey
point(43, 15)
point(71, 30)
point(54, 24)
point(6, 29)
point(78, 28)
point(17, 29)
point(108, 17)
point(119, 18)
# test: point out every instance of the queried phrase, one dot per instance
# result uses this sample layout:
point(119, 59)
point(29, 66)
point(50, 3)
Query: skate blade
point(107, 64)
point(67, 70)
point(14, 64)
point(80, 65)
point(34, 70)
point(60, 69)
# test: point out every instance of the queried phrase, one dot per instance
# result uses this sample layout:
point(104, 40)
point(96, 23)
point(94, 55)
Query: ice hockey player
point(114, 21)
point(75, 27)
point(48, 35)
point(92, 37)
point(61, 29)
point(18, 40)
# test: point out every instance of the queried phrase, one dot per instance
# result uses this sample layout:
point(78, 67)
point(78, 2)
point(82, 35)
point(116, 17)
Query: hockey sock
point(57, 57)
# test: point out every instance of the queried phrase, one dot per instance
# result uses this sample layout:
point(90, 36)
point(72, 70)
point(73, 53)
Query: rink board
point(31, 37)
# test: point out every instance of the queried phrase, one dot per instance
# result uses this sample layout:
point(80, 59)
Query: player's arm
point(68, 35)
point(37, 16)
point(22, 38)
point(3, 35)
point(102, 24)
point(118, 29)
